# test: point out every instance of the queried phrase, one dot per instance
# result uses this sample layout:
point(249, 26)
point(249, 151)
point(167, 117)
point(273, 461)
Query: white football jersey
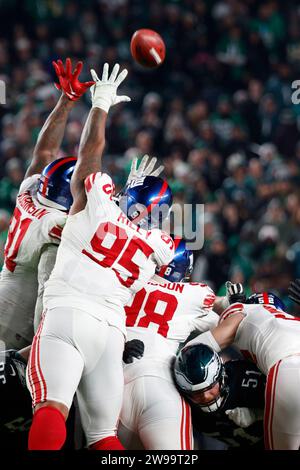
point(162, 315)
point(104, 258)
point(32, 226)
point(33, 230)
point(265, 335)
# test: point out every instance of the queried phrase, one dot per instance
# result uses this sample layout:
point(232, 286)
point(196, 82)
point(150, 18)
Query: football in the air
point(148, 48)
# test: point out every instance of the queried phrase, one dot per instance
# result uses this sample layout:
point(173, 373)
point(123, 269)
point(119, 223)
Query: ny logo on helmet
point(137, 182)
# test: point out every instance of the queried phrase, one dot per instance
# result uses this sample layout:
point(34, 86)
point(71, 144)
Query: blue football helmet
point(54, 185)
point(198, 369)
point(181, 266)
point(146, 201)
point(266, 298)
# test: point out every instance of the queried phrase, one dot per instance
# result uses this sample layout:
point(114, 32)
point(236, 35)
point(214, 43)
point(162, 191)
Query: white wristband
point(205, 338)
point(101, 103)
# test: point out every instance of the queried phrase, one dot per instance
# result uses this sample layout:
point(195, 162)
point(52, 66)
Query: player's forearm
point(220, 304)
point(50, 136)
point(92, 144)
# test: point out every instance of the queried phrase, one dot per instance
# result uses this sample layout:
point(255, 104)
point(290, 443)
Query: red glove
point(68, 81)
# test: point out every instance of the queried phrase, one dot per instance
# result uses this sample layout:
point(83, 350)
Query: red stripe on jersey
point(231, 310)
point(9, 260)
point(209, 300)
point(44, 388)
point(269, 406)
point(89, 181)
point(187, 427)
point(273, 403)
point(56, 232)
point(37, 381)
point(268, 398)
point(182, 424)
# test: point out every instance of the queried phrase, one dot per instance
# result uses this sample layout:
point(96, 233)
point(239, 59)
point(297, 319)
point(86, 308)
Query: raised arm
point(50, 137)
point(92, 142)
point(224, 333)
point(52, 132)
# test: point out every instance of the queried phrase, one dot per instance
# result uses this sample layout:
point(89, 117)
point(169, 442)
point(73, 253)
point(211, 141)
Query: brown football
point(148, 48)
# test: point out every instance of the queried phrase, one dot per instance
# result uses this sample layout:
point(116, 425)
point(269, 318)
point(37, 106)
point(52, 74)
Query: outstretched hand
point(145, 168)
point(69, 82)
point(104, 92)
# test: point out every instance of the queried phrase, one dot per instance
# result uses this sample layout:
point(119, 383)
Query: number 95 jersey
point(103, 257)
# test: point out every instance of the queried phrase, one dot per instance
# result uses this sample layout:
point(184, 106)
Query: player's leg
point(100, 391)
point(45, 267)
point(18, 293)
point(132, 409)
point(282, 405)
point(165, 423)
point(53, 373)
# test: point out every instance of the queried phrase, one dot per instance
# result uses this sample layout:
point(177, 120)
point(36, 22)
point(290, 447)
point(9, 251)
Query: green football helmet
point(199, 369)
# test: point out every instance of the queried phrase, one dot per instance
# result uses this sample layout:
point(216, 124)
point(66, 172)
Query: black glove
point(294, 291)
point(133, 348)
point(235, 292)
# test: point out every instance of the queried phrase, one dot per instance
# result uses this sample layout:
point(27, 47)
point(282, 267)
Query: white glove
point(104, 92)
point(242, 417)
point(143, 169)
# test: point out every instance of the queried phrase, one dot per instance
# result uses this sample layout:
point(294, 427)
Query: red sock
point(108, 443)
point(48, 429)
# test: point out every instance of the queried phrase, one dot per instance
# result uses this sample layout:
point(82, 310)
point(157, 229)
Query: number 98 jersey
point(103, 257)
point(162, 315)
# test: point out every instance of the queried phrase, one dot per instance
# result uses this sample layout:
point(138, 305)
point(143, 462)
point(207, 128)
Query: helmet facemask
point(210, 406)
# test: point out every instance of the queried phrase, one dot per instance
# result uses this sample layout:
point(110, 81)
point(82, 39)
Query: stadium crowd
point(218, 114)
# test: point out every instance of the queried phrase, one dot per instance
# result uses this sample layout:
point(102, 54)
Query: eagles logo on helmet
point(199, 369)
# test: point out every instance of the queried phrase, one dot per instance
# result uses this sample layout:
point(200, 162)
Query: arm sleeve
point(99, 189)
point(164, 250)
point(29, 183)
point(206, 322)
point(205, 338)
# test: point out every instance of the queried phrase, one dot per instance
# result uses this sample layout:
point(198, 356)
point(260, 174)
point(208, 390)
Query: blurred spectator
point(218, 114)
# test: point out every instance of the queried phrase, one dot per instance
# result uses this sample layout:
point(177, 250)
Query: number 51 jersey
point(103, 257)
